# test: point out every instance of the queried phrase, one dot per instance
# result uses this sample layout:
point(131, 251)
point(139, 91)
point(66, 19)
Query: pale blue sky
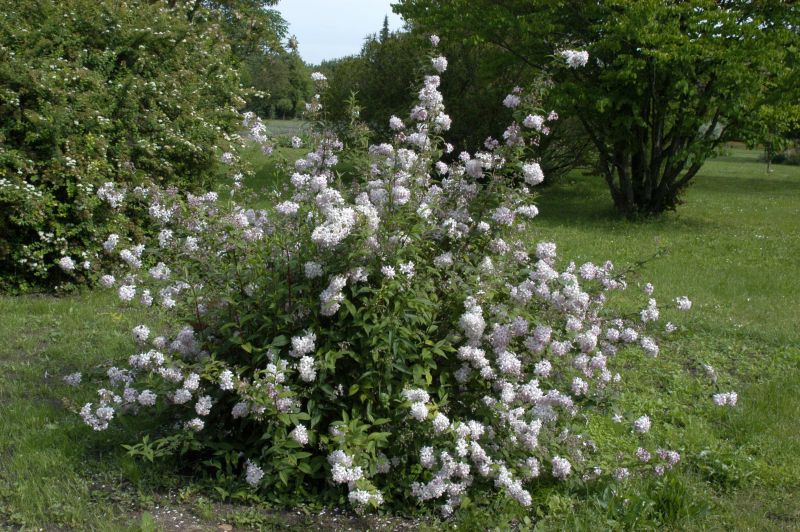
point(327, 29)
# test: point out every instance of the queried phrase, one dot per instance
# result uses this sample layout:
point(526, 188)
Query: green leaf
point(280, 341)
point(350, 307)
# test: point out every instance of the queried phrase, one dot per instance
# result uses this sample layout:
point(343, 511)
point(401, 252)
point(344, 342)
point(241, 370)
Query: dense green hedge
point(102, 91)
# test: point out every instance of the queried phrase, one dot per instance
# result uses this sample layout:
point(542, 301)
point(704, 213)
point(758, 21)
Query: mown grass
point(53, 472)
point(269, 173)
point(733, 248)
point(285, 128)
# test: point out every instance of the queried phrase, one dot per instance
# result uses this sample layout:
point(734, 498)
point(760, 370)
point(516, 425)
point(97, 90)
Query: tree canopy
point(666, 83)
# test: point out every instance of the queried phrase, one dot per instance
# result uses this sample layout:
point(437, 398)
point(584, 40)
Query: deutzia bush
point(397, 338)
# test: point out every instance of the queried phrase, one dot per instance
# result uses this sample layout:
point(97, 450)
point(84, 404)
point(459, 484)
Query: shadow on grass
point(719, 182)
point(584, 201)
point(578, 200)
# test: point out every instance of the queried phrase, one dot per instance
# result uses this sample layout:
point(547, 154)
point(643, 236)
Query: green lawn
point(277, 128)
point(733, 248)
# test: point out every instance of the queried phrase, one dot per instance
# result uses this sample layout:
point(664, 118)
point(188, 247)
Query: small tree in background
point(775, 124)
point(772, 130)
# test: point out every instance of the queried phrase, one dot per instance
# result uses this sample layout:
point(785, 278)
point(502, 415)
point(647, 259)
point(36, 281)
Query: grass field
point(733, 248)
point(286, 127)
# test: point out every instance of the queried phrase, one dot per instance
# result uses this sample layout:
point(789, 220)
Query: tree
point(667, 82)
point(382, 76)
point(771, 129)
point(282, 82)
point(776, 120)
point(384, 30)
point(250, 25)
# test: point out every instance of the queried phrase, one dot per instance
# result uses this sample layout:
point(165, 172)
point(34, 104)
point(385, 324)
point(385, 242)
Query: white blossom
point(73, 379)
point(511, 101)
point(196, 424)
point(306, 369)
point(254, 474)
point(66, 263)
point(300, 434)
point(226, 380)
point(147, 398)
point(440, 423)
point(642, 424)
point(127, 292)
point(532, 173)
point(312, 269)
point(575, 58)
point(396, 123)
point(561, 467)
point(725, 399)
point(439, 64)
point(203, 405)
point(141, 333)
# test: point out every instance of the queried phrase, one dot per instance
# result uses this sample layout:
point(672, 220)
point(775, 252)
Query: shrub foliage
point(101, 92)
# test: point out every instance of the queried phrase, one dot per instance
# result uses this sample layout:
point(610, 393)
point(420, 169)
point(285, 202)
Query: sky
point(328, 29)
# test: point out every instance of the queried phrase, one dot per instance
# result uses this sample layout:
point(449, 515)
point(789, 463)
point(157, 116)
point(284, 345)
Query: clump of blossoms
point(400, 338)
point(575, 58)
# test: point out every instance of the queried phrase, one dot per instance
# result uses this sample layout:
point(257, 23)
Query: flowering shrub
point(397, 338)
point(97, 98)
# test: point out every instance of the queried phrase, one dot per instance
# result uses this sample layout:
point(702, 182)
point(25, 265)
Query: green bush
point(101, 92)
point(790, 155)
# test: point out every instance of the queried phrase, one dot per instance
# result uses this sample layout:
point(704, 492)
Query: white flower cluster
point(439, 64)
point(683, 303)
point(111, 194)
point(575, 58)
point(303, 345)
point(66, 263)
point(254, 474)
point(226, 380)
point(344, 472)
point(73, 379)
point(642, 424)
point(725, 399)
point(300, 434)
